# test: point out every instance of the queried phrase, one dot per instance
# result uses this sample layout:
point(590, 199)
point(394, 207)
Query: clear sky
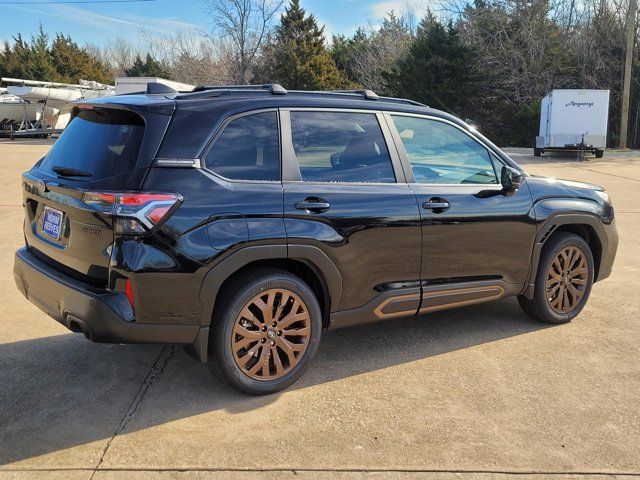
point(99, 22)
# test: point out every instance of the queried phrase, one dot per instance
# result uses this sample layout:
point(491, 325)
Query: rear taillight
point(134, 213)
point(129, 292)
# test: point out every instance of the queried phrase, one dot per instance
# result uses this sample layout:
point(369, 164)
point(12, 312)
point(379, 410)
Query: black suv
point(243, 221)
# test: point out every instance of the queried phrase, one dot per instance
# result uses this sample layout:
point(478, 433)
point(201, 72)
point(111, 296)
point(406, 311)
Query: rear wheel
point(265, 332)
point(564, 280)
point(599, 153)
point(537, 152)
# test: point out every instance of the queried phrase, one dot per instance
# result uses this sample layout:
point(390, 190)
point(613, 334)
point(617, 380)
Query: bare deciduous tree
point(120, 55)
point(191, 56)
point(385, 46)
point(246, 25)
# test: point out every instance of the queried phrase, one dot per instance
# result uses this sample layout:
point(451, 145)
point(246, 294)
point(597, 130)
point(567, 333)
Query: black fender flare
point(548, 227)
point(317, 259)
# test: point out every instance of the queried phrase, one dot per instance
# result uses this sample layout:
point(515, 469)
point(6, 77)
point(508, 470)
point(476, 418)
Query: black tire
point(537, 152)
point(599, 153)
point(539, 308)
point(233, 299)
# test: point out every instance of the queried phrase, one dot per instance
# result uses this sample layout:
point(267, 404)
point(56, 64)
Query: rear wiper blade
point(70, 172)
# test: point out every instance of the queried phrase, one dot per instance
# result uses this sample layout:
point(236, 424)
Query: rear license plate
point(52, 222)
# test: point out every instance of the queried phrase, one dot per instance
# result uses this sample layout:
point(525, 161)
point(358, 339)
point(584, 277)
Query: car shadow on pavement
point(63, 391)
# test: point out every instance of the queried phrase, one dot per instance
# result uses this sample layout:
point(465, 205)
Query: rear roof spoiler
point(154, 88)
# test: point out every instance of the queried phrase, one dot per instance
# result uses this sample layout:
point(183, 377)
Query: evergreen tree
point(436, 68)
point(345, 49)
point(37, 59)
point(150, 67)
point(60, 61)
point(73, 63)
point(298, 58)
point(13, 58)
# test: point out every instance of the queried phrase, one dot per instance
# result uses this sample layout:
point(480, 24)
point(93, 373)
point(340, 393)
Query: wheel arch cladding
point(305, 261)
point(585, 225)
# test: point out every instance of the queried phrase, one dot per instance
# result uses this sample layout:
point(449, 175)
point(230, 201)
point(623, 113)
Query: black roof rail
point(366, 93)
point(200, 94)
point(206, 91)
point(274, 88)
point(409, 101)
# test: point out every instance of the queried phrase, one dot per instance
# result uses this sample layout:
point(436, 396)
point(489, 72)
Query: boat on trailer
point(17, 111)
point(51, 98)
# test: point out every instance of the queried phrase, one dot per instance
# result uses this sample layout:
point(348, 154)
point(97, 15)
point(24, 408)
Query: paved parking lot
point(481, 392)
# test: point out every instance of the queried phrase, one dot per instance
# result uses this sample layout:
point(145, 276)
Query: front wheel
point(265, 332)
point(564, 280)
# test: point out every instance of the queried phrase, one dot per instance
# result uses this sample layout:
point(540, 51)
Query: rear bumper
point(102, 315)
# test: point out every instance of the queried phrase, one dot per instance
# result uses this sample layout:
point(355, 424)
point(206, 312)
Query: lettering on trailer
point(579, 104)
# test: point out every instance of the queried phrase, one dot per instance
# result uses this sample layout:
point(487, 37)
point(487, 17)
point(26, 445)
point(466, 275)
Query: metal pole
point(628, 63)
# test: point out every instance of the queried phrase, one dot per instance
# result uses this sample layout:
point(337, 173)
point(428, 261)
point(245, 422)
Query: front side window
point(247, 149)
point(440, 153)
point(340, 147)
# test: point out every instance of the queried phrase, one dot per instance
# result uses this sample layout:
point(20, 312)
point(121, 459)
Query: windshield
point(97, 144)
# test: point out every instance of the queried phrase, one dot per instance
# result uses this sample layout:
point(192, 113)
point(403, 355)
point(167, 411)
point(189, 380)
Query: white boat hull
point(57, 100)
point(55, 97)
point(36, 104)
point(16, 113)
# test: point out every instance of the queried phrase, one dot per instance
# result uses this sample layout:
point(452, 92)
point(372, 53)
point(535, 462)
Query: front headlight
point(607, 208)
point(603, 195)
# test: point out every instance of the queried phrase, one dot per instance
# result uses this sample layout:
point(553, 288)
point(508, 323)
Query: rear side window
point(340, 147)
point(97, 144)
point(247, 149)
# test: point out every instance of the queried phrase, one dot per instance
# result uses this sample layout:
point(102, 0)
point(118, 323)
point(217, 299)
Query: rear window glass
point(340, 147)
point(96, 144)
point(247, 149)
point(191, 128)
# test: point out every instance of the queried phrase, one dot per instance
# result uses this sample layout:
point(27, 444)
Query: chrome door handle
point(313, 206)
point(437, 205)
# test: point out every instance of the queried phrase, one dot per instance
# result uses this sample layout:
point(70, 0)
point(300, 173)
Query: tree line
point(488, 61)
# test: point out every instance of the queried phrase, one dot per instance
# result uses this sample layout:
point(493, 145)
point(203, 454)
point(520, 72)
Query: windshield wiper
point(70, 172)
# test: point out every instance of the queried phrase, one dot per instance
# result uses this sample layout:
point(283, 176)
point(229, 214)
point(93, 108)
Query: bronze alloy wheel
point(567, 279)
point(271, 334)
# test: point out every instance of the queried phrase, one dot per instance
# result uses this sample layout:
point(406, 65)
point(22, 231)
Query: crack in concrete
point(158, 367)
point(610, 174)
point(296, 471)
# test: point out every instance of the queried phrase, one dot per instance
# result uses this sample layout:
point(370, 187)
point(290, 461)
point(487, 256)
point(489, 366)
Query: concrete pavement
point(481, 392)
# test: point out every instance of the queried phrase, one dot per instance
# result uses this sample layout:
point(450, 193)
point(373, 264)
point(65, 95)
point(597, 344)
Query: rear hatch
point(104, 148)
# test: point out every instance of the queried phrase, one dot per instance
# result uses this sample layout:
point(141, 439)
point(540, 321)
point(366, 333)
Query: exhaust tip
point(78, 326)
point(75, 327)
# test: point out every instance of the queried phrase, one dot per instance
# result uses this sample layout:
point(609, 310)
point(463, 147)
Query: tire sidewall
point(546, 260)
point(223, 330)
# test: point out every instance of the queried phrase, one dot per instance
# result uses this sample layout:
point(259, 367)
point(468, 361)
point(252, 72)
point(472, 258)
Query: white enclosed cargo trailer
point(574, 120)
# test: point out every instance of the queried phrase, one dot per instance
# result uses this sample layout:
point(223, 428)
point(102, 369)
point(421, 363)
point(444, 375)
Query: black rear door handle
point(437, 205)
point(315, 206)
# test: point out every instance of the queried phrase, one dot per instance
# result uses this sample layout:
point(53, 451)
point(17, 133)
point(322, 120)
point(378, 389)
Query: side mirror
point(510, 178)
